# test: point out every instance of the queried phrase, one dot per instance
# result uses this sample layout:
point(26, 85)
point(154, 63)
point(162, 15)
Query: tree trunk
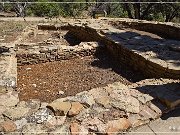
point(146, 11)
point(127, 8)
point(136, 10)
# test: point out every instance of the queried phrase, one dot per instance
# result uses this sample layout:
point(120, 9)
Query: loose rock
point(20, 123)
point(16, 113)
point(9, 99)
point(76, 108)
point(60, 108)
point(8, 126)
point(74, 128)
point(113, 127)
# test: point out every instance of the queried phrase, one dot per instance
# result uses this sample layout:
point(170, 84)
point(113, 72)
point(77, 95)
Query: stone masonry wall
point(8, 67)
point(33, 54)
point(125, 55)
point(166, 30)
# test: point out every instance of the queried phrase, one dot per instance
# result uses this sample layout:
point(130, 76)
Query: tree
point(19, 8)
point(169, 10)
point(150, 10)
point(137, 10)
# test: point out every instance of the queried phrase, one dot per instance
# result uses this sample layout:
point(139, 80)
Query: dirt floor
point(44, 81)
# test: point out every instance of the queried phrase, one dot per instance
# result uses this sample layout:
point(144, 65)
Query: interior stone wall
point(33, 54)
point(166, 30)
point(124, 55)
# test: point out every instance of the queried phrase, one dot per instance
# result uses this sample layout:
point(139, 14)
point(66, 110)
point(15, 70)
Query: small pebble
point(34, 85)
point(60, 92)
point(28, 68)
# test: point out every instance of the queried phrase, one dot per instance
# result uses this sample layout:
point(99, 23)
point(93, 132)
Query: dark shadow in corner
point(165, 49)
point(3, 50)
point(104, 60)
point(71, 39)
point(168, 91)
point(173, 113)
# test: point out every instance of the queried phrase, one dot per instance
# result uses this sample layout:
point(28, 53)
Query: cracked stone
point(136, 120)
point(85, 114)
point(20, 123)
point(94, 124)
point(143, 98)
point(128, 104)
point(74, 128)
point(41, 116)
point(83, 130)
point(62, 130)
point(84, 98)
point(147, 113)
point(31, 128)
point(55, 121)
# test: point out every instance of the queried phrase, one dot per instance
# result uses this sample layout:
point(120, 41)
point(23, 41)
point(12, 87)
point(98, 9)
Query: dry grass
point(9, 30)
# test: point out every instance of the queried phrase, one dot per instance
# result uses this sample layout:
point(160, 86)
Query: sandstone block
point(117, 125)
point(76, 108)
point(60, 108)
point(8, 126)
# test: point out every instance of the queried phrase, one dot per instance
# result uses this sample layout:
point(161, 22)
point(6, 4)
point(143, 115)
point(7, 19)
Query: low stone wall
point(33, 54)
point(166, 30)
point(125, 55)
point(8, 67)
point(137, 62)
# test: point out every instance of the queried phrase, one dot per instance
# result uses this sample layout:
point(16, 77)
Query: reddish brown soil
point(43, 81)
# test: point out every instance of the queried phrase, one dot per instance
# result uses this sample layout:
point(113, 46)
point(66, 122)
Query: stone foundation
point(150, 67)
point(111, 109)
point(34, 54)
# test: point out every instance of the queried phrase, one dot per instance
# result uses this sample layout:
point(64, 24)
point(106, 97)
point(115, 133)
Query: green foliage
point(148, 11)
point(71, 9)
point(118, 11)
point(44, 9)
point(8, 7)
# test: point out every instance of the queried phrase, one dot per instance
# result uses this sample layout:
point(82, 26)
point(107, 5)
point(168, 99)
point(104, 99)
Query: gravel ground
point(44, 81)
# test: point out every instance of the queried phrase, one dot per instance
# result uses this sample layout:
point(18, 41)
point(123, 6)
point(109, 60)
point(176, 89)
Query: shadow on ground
point(105, 61)
point(164, 49)
point(3, 50)
point(167, 93)
point(173, 113)
point(71, 39)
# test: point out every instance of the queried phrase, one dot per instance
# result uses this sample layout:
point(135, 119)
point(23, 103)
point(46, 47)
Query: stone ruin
point(151, 48)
